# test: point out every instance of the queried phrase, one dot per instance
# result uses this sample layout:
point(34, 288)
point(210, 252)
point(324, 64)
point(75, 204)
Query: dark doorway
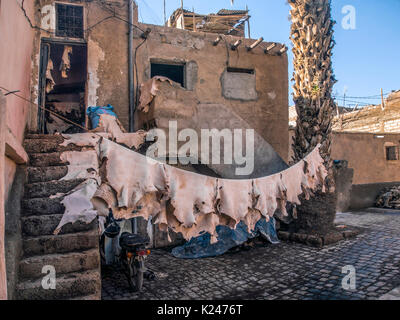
point(175, 72)
point(62, 87)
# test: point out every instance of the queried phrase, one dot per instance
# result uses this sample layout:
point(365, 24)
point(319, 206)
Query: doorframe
point(43, 63)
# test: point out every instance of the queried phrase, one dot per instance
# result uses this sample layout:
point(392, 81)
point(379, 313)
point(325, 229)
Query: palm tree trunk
point(312, 37)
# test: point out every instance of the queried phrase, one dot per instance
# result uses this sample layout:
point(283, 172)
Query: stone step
point(43, 136)
point(48, 145)
point(47, 189)
point(46, 159)
point(68, 286)
point(35, 226)
point(62, 243)
point(42, 206)
point(31, 268)
point(45, 174)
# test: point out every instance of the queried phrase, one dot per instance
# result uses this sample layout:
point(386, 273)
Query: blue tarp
point(228, 238)
point(95, 112)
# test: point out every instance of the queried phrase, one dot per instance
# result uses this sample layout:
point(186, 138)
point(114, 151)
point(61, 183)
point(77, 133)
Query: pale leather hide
point(148, 91)
point(133, 185)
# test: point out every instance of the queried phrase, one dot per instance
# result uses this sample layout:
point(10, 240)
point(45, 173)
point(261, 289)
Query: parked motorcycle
point(132, 255)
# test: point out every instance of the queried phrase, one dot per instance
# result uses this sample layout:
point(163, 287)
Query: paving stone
point(285, 271)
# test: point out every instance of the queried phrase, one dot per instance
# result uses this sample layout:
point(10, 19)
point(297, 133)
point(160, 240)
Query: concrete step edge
point(50, 188)
point(46, 174)
point(63, 243)
point(45, 206)
point(68, 235)
point(46, 224)
point(64, 263)
point(72, 285)
point(54, 255)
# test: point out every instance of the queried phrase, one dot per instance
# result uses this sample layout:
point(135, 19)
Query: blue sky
point(365, 59)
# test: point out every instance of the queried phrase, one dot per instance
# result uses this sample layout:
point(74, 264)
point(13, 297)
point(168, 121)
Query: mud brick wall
point(366, 154)
point(261, 99)
point(371, 119)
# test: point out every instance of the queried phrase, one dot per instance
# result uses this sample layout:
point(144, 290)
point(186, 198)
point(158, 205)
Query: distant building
point(373, 119)
point(228, 22)
point(368, 138)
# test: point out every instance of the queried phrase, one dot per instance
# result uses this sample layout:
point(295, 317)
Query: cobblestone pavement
point(283, 271)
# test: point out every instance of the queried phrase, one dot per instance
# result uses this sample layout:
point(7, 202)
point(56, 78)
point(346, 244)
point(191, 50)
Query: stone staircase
point(74, 253)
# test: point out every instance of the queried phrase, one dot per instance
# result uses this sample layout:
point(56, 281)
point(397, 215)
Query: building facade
point(73, 54)
point(253, 83)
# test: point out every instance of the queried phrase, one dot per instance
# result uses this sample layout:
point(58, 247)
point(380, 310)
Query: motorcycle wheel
point(102, 250)
point(139, 274)
point(134, 275)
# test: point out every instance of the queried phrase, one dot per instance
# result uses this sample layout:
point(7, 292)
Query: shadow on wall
point(173, 103)
point(355, 196)
point(13, 240)
point(364, 195)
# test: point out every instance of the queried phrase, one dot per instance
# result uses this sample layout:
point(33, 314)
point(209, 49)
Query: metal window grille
point(69, 21)
point(391, 154)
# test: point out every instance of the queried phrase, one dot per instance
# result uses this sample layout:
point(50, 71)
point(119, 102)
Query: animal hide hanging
point(148, 91)
point(78, 205)
point(133, 185)
point(116, 132)
point(50, 83)
point(65, 66)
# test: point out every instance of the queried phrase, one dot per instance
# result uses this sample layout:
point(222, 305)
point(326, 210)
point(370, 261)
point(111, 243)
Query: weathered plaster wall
point(174, 103)
point(13, 239)
point(3, 278)
point(15, 61)
point(108, 48)
point(108, 68)
point(344, 183)
point(366, 154)
point(15, 66)
point(364, 195)
point(266, 111)
point(10, 169)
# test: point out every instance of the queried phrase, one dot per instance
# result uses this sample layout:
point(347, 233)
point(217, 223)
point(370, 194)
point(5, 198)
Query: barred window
point(69, 21)
point(392, 153)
